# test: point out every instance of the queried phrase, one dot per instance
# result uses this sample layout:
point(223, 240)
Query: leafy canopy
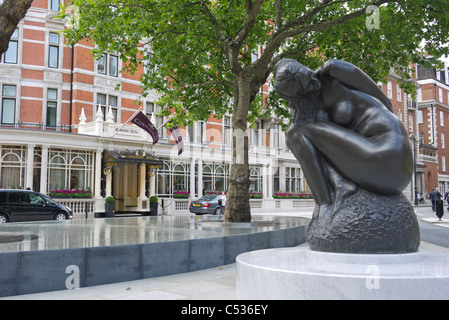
point(193, 51)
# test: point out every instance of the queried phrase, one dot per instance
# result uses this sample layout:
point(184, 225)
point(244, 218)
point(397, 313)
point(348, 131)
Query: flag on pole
point(142, 121)
point(178, 139)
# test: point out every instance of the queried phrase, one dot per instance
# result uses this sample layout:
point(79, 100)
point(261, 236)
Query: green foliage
point(195, 51)
point(109, 199)
point(153, 199)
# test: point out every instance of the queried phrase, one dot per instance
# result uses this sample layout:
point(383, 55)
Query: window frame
point(6, 97)
point(55, 107)
point(13, 40)
point(53, 46)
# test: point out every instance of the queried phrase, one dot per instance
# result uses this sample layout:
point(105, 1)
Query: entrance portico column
point(265, 181)
point(30, 167)
point(99, 204)
point(200, 178)
point(98, 161)
point(109, 184)
point(142, 187)
point(192, 178)
point(44, 169)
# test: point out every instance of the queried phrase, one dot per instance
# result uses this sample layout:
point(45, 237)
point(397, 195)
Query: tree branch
point(278, 14)
point(252, 10)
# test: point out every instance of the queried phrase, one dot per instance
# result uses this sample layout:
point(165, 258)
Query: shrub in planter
point(153, 205)
point(109, 206)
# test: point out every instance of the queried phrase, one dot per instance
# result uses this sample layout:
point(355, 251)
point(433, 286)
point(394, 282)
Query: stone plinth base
point(300, 273)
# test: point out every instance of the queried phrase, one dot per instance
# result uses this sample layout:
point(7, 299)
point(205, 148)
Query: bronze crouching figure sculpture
point(355, 155)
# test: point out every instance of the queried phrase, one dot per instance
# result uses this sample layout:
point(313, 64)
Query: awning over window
point(120, 157)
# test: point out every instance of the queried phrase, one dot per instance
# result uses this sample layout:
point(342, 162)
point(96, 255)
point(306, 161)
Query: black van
point(27, 205)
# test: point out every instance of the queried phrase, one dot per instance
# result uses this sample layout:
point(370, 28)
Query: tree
point(11, 12)
point(200, 53)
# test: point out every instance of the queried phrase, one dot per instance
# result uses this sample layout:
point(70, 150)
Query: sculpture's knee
point(295, 136)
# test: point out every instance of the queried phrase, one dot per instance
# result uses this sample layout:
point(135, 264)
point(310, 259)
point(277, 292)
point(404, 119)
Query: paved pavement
point(210, 284)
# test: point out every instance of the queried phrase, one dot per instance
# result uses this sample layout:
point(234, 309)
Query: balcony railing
point(35, 126)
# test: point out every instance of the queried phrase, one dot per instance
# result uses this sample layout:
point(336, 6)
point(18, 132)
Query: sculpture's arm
point(352, 76)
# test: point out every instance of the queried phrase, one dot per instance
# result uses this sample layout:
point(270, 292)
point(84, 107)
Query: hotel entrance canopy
point(113, 158)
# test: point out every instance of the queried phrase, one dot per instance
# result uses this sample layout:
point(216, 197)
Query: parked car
point(207, 204)
point(27, 205)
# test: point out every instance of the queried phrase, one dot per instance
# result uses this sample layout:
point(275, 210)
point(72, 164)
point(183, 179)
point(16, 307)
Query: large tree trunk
point(11, 12)
point(237, 203)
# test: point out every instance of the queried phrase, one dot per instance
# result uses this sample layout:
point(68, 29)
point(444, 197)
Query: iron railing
point(35, 126)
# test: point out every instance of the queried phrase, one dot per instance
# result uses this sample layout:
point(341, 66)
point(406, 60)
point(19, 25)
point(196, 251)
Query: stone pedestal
point(300, 273)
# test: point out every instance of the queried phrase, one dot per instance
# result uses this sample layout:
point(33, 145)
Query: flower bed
point(290, 195)
point(255, 195)
point(71, 193)
point(181, 194)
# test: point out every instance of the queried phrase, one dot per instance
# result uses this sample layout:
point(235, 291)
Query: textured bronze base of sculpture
point(359, 221)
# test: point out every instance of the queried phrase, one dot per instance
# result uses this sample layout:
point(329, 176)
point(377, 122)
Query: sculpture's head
point(293, 80)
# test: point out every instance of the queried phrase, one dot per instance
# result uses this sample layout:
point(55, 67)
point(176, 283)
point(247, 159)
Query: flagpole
point(127, 121)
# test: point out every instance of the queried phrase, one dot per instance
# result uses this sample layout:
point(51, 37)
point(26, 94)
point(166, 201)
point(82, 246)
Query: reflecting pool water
point(51, 235)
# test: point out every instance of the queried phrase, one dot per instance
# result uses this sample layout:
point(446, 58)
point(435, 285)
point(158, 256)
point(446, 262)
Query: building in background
point(433, 128)
point(63, 124)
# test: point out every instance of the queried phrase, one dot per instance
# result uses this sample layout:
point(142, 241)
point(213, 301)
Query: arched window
point(163, 180)
point(220, 179)
point(77, 173)
point(70, 169)
point(181, 178)
point(57, 172)
point(255, 179)
point(171, 177)
point(207, 179)
point(11, 168)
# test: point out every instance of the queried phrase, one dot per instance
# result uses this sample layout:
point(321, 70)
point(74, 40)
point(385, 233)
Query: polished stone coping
point(300, 273)
point(112, 250)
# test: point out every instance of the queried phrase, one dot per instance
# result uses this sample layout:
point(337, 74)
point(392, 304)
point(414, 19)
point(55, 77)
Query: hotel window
point(52, 103)
point(200, 128)
point(420, 117)
point(276, 181)
point(255, 179)
point(54, 5)
point(105, 101)
point(53, 50)
point(12, 166)
point(275, 134)
point(443, 163)
point(197, 132)
point(440, 95)
point(70, 169)
point(151, 108)
point(227, 131)
point(10, 56)
point(398, 93)
point(442, 118)
point(255, 134)
point(108, 64)
point(389, 90)
point(293, 179)
point(442, 141)
point(8, 104)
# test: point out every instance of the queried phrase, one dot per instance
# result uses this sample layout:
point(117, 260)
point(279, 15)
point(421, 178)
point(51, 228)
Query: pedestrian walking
point(438, 200)
point(223, 202)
